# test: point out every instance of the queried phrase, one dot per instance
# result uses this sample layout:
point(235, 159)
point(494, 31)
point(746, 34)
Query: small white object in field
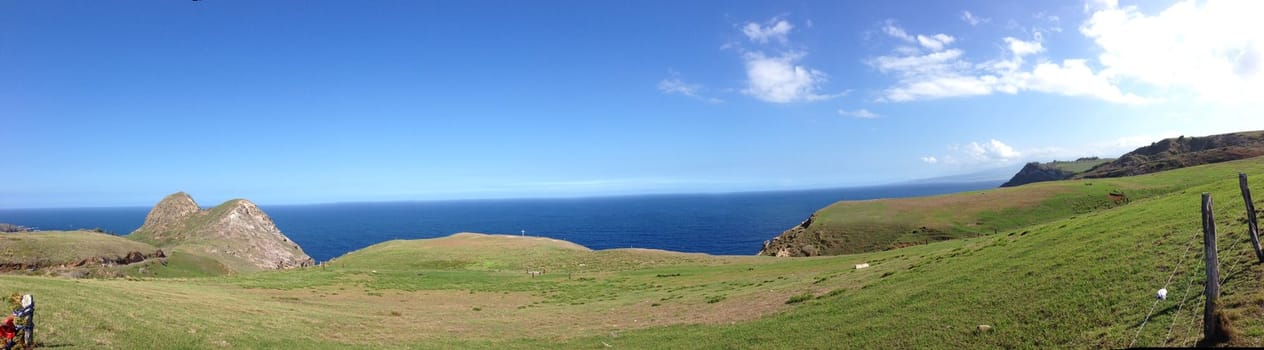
point(1162, 295)
point(861, 266)
point(27, 301)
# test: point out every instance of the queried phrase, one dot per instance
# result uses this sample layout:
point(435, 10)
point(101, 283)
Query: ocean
point(723, 224)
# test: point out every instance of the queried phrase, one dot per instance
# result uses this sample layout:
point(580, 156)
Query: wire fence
point(1175, 269)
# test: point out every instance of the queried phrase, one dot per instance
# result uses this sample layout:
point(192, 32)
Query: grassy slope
point(859, 226)
point(50, 248)
point(58, 247)
point(1082, 280)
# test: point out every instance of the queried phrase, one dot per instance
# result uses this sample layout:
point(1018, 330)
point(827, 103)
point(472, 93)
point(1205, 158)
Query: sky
point(285, 102)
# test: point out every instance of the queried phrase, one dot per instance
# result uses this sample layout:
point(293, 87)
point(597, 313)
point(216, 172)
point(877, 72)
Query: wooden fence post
point(1212, 287)
point(1250, 217)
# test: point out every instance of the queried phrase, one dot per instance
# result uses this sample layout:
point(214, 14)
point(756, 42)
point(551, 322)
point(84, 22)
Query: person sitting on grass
point(24, 332)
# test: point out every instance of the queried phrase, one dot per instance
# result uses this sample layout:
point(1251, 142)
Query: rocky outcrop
point(1037, 172)
point(236, 232)
point(1180, 152)
point(10, 228)
point(792, 242)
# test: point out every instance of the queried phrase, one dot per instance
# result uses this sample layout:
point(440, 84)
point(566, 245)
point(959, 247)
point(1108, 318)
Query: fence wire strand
point(1175, 268)
point(1176, 315)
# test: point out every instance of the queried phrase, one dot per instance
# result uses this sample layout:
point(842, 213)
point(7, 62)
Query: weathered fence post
point(1212, 287)
point(1250, 217)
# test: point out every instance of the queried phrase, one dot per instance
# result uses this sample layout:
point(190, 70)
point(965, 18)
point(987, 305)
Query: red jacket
point(7, 329)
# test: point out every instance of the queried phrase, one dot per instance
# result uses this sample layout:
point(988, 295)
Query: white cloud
point(859, 113)
point(975, 153)
point(913, 64)
point(945, 72)
point(935, 42)
point(773, 74)
point(1210, 49)
point(675, 85)
point(941, 86)
point(777, 29)
point(993, 150)
point(1023, 48)
point(780, 79)
point(1047, 22)
point(1074, 78)
point(897, 32)
point(972, 19)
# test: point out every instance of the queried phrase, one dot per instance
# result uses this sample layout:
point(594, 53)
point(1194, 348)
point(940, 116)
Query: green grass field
point(850, 227)
point(1063, 270)
point(60, 247)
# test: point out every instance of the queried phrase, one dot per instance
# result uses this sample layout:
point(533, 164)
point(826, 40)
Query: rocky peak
point(236, 232)
point(170, 212)
point(258, 238)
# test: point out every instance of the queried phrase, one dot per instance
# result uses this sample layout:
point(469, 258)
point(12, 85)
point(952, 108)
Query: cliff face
point(792, 242)
point(237, 232)
point(1037, 172)
point(1176, 153)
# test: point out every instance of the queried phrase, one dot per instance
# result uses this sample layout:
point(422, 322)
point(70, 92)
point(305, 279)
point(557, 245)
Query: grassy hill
point(47, 248)
point(848, 227)
point(1064, 270)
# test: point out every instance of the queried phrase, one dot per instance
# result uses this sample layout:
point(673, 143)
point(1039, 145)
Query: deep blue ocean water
point(731, 224)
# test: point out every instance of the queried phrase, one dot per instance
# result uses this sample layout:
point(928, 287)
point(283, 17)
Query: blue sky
point(119, 103)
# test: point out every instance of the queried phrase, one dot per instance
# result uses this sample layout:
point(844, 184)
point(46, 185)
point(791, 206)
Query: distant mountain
point(236, 233)
point(1180, 152)
point(1053, 171)
point(994, 174)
